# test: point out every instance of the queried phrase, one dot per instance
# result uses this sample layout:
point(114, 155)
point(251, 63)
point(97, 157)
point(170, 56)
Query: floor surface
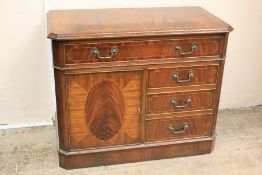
point(238, 151)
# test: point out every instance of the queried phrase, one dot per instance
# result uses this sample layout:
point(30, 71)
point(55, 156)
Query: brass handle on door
point(173, 130)
point(188, 101)
point(112, 53)
point(179, 50)
point(176, 78)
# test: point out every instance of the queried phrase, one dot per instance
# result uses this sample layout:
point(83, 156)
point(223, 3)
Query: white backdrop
point(25, 70)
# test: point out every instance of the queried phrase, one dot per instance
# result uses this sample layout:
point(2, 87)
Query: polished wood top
point(132, 22)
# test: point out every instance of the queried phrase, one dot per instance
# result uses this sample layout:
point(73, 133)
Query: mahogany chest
point(136, 84)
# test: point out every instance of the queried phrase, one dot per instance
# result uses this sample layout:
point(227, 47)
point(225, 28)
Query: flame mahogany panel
point(103, 109)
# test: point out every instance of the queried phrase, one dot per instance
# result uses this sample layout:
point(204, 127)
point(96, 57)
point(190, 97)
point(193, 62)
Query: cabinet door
point(103, 109)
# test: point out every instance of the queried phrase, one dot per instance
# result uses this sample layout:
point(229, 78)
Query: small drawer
point(182, 76)
point(75, 53)
point(171, 129)
point(182, 101)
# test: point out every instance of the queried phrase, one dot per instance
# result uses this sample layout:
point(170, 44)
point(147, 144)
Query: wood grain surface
point(157, 130)
point(157, 97)
point(161, 103)
point(165, 77)
point(103, 109)
point(116, 23)
point(142, 49)
point(148, 152)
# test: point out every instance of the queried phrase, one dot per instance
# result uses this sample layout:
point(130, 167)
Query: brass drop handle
point(179, 50)
point(176, 78)
point(172, 129)
point(112, 53)
point(188, 101)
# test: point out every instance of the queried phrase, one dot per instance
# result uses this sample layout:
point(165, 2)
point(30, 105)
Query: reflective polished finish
point(96, 53)
point(190, 77)
point(181, 131)
point(192, 49)
point(188, 102)
point(136, 84)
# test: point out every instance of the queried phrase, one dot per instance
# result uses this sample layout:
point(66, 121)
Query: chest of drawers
point(136, 84)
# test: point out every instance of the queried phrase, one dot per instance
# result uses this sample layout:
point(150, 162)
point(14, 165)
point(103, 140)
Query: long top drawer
point(72, 53)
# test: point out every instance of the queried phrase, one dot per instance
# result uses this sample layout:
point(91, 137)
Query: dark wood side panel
point(62, 117)
point(58, 53)
point(217, 96)
point(135, 155)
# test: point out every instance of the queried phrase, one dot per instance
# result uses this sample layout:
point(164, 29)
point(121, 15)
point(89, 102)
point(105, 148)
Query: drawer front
point(103, 109)
point(197, 75)
point(141, 50)
point(171, 129)
point(183, 101)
